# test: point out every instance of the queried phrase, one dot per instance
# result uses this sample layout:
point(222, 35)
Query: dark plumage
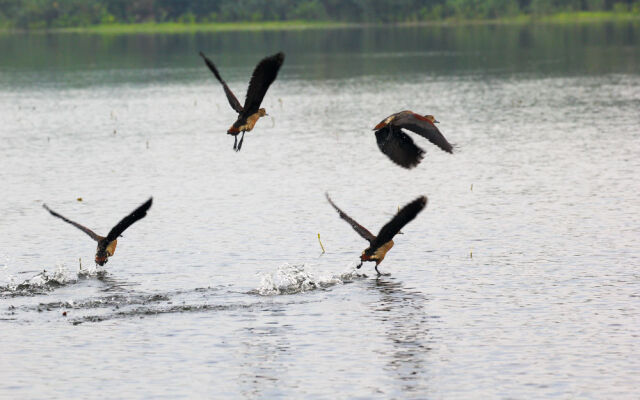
point(398, 146)
point(107, 244)
point(381, 244)
point(263, 76)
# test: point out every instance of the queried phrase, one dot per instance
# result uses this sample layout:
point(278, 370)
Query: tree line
point(38, 14)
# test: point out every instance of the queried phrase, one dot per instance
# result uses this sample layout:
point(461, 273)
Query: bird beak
point(435, 121)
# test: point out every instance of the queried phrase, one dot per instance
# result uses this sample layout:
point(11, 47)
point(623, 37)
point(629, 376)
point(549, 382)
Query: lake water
point(519, 280)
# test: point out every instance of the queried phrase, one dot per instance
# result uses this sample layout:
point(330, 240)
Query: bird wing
point(403, 217)
point(127, 221)
point(233, 100)
point(362, 231)
point(263, 76)
point(423, 127)
point(399, 147)
point(84, 229)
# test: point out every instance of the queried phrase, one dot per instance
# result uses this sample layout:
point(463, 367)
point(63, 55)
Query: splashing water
point(91, 271)
point(44, 281)
point(297, 278)
point(47, 281)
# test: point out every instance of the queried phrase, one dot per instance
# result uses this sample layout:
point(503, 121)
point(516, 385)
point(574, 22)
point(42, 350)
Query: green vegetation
point(194, 15)
point(177, 27)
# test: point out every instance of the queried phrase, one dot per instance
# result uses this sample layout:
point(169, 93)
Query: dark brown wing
point(263, 76)
point(233, 101)
point(127, 221)
point(399, 147)
point(423, 127)
point(84, 229)
point(362, 231)
point(403, 217)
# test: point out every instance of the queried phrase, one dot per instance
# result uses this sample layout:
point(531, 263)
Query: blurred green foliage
point(37, 14)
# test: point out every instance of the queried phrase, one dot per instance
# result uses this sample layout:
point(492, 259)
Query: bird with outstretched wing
point(107, 244)
point(379, 245)
point(263, 76)
point(399, 146)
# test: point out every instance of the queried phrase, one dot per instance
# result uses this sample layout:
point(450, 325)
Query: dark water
point(519, 280)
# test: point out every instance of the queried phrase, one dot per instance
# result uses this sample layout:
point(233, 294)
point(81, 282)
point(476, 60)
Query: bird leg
point(380, 273)
point(359, 265)
point(235, 142)
point(240, 144)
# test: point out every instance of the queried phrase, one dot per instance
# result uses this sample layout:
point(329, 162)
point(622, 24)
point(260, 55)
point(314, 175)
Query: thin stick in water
point(321, 246)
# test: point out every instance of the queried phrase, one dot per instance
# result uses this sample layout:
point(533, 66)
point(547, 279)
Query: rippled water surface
point(519, 280)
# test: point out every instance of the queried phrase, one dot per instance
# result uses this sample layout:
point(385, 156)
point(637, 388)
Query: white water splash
point(46, 280)
point(297, 278)
point(5, 277)
point(91, 271)
point(60, 276)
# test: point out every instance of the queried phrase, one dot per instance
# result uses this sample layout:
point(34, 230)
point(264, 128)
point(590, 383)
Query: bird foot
point(380, 273)
point(240, 144)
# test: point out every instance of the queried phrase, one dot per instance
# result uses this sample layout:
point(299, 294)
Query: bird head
point(101, 259)
point(432, 119)
point(262, 112)
point(384, 122)
point(363, 258)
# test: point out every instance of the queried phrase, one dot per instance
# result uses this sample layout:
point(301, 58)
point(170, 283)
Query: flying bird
point(399, 146)
point(107, 244)
point(263, 76)
point(381, 244)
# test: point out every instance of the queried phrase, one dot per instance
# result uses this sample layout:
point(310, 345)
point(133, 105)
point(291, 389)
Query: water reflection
point(73, 59)
point(114, 284)
point(264, 343)
point(402, 311)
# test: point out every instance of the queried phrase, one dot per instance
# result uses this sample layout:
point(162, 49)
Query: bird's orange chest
point(251, 122)
point(111, 247)
point(382, 251)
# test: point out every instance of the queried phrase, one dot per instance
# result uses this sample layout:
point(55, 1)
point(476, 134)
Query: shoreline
point(582, 17)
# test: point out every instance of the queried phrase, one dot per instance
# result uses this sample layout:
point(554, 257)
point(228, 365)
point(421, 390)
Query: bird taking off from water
point(398, 146)
point(381, 244)
point(107, 244)
point(263, 76)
